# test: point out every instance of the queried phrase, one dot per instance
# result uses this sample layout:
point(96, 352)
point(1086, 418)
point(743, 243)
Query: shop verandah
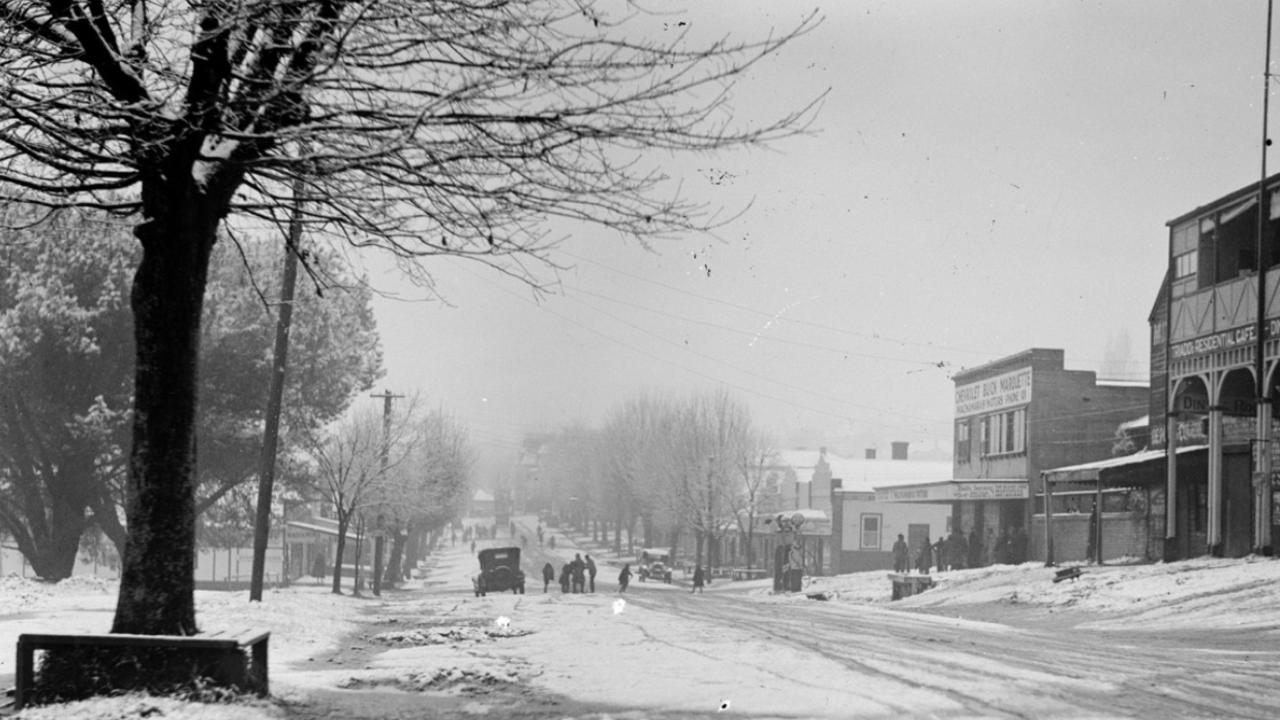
point(1116, 508)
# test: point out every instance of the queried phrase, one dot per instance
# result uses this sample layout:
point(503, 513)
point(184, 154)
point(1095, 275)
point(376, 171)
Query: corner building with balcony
point(1212, 337)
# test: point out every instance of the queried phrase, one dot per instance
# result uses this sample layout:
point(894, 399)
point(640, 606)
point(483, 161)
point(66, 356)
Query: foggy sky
point(985, 177)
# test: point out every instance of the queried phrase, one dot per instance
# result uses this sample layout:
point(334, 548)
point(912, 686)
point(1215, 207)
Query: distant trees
point(694, 464)
point(66, 377)
point(424, 129)
point(401, 475)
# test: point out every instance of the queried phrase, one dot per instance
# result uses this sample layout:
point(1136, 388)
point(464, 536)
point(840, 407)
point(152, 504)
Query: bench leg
point(22, 674)
point(259, 665)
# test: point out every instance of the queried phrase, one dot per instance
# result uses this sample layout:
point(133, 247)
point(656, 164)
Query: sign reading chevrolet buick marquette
point(1002, 391)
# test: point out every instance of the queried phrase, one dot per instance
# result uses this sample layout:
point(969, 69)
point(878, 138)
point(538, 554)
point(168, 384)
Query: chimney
point(899, 450)
point(871, 454)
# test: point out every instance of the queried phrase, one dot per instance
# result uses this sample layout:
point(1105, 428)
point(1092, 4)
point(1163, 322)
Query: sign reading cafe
point(1002, 391)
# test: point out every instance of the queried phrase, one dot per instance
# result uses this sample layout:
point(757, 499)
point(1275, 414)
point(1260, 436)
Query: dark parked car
point(499, 571)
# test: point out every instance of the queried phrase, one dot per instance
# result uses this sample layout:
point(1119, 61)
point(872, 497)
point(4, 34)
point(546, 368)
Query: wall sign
point(1002, 391)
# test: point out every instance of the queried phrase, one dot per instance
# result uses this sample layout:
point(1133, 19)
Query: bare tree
point(420, 492)
point(352, 461)
point(754, 495)
point(712, 429)
point(449, 127)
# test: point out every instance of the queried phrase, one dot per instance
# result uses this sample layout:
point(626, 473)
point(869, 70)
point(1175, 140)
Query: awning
point(1137, 469)
point(949, 491)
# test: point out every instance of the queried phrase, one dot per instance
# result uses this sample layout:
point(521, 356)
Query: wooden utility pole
point(1262, 450)
point(379, 534)
point(271, 433)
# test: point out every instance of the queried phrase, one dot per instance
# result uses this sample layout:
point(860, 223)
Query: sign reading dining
point(1002, 391)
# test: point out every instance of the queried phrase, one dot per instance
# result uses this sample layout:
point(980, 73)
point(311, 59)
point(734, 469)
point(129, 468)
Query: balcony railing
point(1224, 306)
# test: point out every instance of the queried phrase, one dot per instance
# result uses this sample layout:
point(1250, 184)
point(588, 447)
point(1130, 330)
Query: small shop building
point(1014, 418)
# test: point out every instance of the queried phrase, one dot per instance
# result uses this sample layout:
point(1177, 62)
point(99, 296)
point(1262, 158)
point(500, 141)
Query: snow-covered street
point(1192, 639)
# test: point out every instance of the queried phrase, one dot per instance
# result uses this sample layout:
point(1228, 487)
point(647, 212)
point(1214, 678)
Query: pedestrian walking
point(900, 562)
point(1019, 545)
point(624, 578)
point(697, 580)
point(473, 547)
point(548, 574)
point(317, 568)
point(578, 572)
point(1004, 547)
point(959, 550)
point(553, 542)
point(975, 548)
point(941, 551)
point(564, 578)
point(924, 560)
point(591, 573)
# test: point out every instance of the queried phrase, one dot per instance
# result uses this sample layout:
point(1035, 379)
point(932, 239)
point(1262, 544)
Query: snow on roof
point(866, 475)
point(482, 496)
point(863, 475)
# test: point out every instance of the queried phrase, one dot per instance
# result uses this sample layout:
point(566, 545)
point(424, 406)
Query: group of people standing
point(578, 575)
point(955, 551)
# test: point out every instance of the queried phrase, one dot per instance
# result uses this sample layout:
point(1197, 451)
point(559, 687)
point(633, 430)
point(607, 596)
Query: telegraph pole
point(1262, 448)
point(379, 535)
point(271, 432)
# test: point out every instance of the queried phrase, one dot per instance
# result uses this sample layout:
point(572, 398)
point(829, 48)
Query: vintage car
point(499, 571)
point(654, 564)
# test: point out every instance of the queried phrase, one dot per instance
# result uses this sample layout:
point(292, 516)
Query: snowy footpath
point(433, 650)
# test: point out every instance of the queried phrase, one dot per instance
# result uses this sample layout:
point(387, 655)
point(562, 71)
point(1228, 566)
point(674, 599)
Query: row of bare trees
point(673, 466)
point(400, 475)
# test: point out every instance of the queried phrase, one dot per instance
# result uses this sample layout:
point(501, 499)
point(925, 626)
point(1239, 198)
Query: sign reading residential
point(1002, 391)
point(1243, 336)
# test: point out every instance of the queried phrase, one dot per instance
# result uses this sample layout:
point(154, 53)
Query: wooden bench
point(1067, 573)
point(749, 573)
point(905, 584)
point(240, 658)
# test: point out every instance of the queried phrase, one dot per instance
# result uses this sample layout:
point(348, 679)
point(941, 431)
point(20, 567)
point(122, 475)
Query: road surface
point(665, 653)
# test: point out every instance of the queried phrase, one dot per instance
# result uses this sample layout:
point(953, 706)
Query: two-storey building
point(1213, 335)
point(1014, 418)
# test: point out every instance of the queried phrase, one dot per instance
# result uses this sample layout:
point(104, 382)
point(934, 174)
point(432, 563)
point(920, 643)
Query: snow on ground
point(1199, 593)
point(577, 645)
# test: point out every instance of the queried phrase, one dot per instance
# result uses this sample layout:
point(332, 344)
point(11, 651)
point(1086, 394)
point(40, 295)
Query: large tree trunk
point(157, 580)
point(48, 490)
point(52, 554)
